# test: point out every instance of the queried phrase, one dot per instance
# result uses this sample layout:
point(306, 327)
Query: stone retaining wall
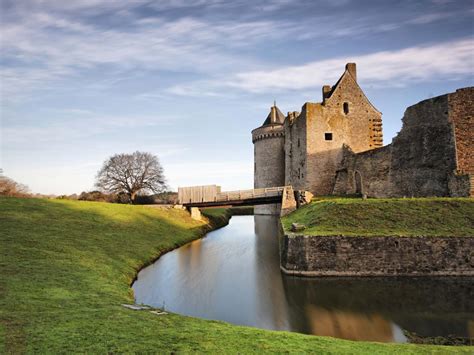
point(377, 256)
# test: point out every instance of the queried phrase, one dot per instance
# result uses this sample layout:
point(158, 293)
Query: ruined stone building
point(336, 146)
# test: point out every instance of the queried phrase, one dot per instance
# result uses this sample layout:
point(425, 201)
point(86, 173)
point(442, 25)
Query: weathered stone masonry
point(269, 157)
point(431, 156)
point(304, 149)
point(335, 146)
point(377, 256)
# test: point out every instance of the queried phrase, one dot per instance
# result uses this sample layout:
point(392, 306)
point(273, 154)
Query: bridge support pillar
point(270, 209)
point(195, 213)
point(288, 201)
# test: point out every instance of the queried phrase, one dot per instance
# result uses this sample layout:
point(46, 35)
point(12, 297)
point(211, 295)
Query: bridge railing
point(249, 194)
point(212, 193)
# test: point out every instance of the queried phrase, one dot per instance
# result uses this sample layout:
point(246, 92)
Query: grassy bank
point(66, 268)
point(219, 216)
point(386, 217)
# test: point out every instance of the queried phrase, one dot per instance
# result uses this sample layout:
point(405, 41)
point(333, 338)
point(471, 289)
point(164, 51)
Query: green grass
point(217, 213)
point(66, 268)
point(223, 214)
point(386, 217)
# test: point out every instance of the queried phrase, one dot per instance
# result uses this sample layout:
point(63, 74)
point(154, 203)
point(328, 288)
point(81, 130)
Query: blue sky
point(188, 80)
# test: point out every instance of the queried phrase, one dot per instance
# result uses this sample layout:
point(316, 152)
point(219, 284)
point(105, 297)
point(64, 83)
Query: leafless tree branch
point(139, 172)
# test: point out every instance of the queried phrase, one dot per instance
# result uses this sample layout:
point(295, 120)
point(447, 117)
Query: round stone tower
point(269, 156)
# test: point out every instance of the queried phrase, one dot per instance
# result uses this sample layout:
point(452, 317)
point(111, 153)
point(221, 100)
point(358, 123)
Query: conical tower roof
point(275, 116)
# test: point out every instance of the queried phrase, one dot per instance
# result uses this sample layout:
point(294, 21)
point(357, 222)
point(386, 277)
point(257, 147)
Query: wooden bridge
point(211, 196)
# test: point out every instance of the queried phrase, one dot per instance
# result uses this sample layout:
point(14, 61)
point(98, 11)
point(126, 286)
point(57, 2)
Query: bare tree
point(131, 174)
point(9, 187)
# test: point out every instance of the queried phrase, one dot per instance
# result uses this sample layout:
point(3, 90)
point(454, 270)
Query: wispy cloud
point(396, 68)
point(48, 42)
point(98, 56)
point(43, 48)
point(194, 90)
point(79, 124)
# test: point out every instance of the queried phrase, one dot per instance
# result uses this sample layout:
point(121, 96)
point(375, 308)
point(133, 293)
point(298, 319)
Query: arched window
point(346, 108)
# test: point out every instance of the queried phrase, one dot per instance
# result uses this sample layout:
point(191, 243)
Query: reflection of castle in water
point(349, 325)
point(426, 306)
point(360, 309)
point(267, 257)
point(289, 308)
point(234, 275)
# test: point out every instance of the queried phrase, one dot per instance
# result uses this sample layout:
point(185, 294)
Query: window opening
point(346, 108)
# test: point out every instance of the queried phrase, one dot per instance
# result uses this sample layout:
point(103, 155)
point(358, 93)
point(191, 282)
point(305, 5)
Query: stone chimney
point(326, 91)
point(351, 68)
point(273, 113)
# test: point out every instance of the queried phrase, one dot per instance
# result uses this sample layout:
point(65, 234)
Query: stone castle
point(336, 147)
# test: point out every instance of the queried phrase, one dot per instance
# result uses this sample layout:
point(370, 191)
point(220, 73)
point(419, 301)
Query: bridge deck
point(208, 196)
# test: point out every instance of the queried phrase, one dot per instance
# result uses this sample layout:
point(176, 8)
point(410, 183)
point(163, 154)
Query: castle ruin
point(336, 147)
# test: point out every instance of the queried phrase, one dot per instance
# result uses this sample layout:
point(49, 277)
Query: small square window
point(328, 136)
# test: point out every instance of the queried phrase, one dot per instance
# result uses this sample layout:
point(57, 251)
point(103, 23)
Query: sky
point(187, 80)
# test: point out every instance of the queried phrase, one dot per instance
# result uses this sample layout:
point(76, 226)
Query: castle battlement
point(269, 131)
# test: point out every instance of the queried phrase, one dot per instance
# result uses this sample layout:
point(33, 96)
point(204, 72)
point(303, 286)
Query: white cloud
point(52, 41)
point(49, 47)
point(193, 90)
point(445, 61)
point(428, 18)
point(77, 125)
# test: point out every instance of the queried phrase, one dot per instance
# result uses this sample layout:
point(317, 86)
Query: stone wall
point(423, 153)
point(336, 146)
point(365, 173)
point(377, 256)
point(431, 156)
point(295, 150)
point(288, 201)
point(315, 139)
point(269, 162)
point(461, 114)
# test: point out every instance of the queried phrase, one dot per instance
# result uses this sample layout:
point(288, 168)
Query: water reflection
point(233, 275)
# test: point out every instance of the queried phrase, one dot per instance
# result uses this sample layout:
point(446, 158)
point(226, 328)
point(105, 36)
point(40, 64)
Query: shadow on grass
point(67, 259)
point(66, 267)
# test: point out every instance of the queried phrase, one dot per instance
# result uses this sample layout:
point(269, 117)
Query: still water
point(233, 275)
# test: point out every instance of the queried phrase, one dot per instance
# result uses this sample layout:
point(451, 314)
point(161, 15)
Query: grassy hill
point(386, 217)
point(66, 268)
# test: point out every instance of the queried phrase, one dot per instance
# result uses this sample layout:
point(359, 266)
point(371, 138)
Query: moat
point(233, 275)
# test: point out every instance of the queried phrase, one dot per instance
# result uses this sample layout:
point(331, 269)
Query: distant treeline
point(167, 197)
point(11, 188)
